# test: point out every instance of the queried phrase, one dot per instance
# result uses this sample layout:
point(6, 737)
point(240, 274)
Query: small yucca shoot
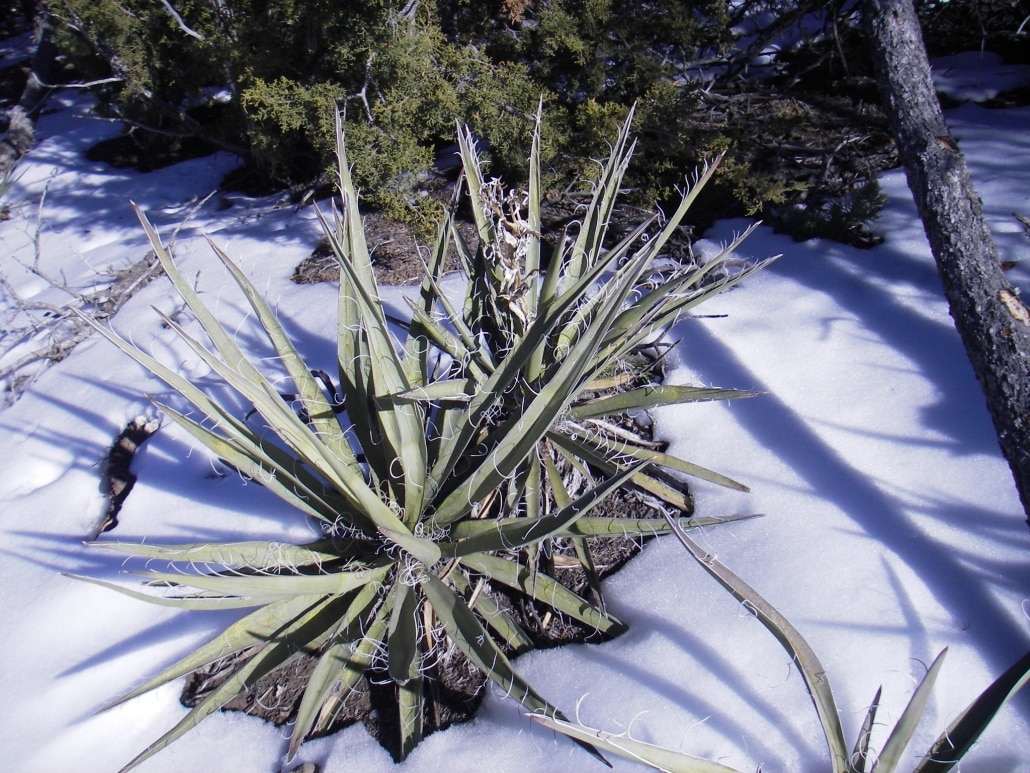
point(454, 463)
point(947, 751)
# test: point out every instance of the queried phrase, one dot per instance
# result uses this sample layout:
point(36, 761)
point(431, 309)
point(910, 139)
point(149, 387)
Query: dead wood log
point(118, 476)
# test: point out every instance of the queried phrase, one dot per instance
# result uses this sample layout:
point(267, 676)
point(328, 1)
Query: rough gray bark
point(20, 129)
point(992, 321)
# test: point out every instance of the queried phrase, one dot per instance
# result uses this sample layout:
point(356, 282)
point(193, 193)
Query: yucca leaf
point(473, 176)
point(256, 629)
point(545, 589)
point(352, 228)
point(258, 462)
point(493, 615)
point(812, 671)
point(453, 390)
point(471, 316)
point(329, 684)
point(562, 498)
point(963, 732)
point(370, 366)
point(266, 555)
point(338, 671)
point(608, 526)
point(416, 354)
point(653, 396)
point(262, 663)
point(352, 356)
point(334, 583)
point(902, 732)
point(411, 708)
point(860, 756)
point(525, 431)
point(658, 757)
point(598, 214)
point(322, 416)
point(194, 601)
point(514, 533)
point(224, 343)
point(471, 638)
point(549, 290)
point(292, 644)
point(605, 450)
point(401, 426)
point(545, 291)
point(533, 494)
point(601, 458)
point(586, 561)
point(404, 663)
point(531, 269)
point(403, 637)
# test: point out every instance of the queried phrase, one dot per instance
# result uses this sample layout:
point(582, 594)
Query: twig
point(82, 85)
point(182, 25)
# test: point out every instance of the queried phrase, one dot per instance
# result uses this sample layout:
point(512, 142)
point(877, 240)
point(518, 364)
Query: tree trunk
point(992, 321)
point(21, 119)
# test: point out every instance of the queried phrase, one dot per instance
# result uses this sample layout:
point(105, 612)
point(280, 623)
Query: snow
point(891, 525)
point(977, 76)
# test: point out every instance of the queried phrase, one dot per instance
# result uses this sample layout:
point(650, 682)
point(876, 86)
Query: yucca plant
point(463, 450)
point(947, 751)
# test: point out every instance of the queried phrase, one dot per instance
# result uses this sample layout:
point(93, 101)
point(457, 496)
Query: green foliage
point(994, 25)
point(285, 68)
point(841, 218)
point(616, 50)
point(946, 752)
point(290, 126)
point(402, 73)
point(460, 459)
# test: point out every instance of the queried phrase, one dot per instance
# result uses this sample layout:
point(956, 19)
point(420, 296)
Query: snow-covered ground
point(892, 528)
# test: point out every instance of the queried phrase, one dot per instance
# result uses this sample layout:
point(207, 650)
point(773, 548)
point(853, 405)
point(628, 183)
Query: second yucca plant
point(446, 465)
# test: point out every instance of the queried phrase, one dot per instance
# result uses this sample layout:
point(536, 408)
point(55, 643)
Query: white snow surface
point(891, 525)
